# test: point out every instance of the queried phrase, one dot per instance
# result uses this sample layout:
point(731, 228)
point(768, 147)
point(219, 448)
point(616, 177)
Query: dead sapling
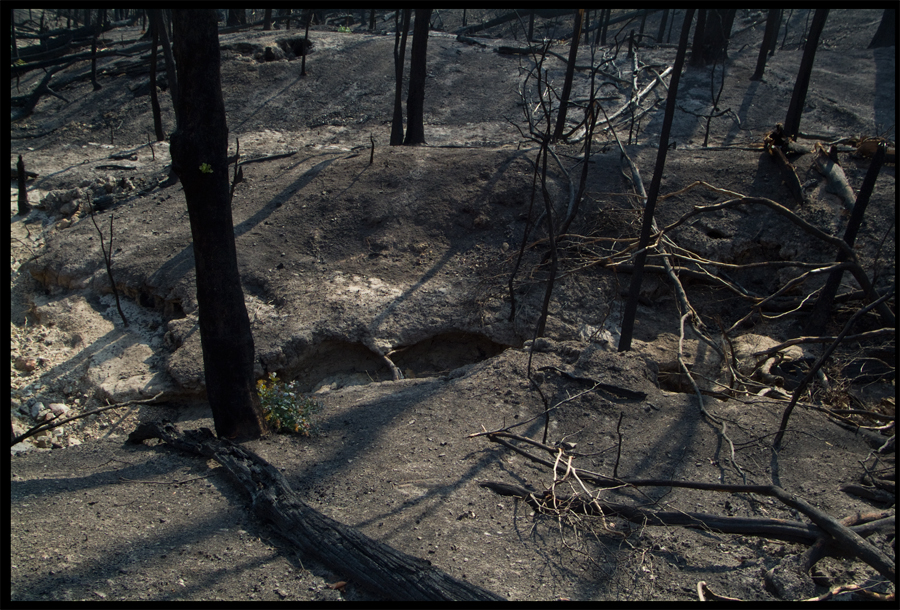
point(238, 170)
point(24, 207)
point(715, 96)
point(107, 258)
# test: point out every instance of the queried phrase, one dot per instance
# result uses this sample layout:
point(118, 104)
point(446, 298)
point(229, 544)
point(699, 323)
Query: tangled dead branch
point(839, 535)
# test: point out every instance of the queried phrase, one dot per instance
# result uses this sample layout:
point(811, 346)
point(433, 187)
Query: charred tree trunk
point(267, 20)
point(653, 193)
point(699, 33)
point(154, 96)
point(306, 49)
point(236, 17)
point(605, 28)
point(570, 72)
point(886, 34)
point(401, 30)
point(12, 31)
point(199, 158)
point(798, 97)
point(587, 27)
point(774, 44)
point(768, 39)
point(24, 208)
point(711, 40)
point(818, 318)
point(671, 25)
point(373, 564)
point(415, 100)
point(97, 86)
point(662, 25)
point(156, 18)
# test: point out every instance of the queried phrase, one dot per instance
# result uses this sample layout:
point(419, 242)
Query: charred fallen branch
point(29, 102)
point(56, 422)
point(344, 549)
point(818, 364)
point(775, 529)
point(839, 535)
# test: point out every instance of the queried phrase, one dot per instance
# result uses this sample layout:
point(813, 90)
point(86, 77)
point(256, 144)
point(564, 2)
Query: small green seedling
point(286, 409)
point(206, 168)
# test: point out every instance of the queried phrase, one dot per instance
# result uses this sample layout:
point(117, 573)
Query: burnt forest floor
point(343, 260)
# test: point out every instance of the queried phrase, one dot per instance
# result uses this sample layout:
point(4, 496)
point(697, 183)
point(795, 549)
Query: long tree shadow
point(105, 559)
point(177, 267)
point(106, 348)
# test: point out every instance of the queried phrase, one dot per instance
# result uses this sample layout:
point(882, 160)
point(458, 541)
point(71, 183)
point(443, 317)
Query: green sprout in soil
point(285, 407)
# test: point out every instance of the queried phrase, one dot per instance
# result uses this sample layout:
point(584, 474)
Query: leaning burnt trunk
point(798, 97)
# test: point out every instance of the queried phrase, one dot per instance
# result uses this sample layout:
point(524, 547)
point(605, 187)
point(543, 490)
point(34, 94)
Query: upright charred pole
point(639, 260)
point(199, 149)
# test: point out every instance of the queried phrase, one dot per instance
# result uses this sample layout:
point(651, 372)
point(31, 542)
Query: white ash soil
point(410, 256)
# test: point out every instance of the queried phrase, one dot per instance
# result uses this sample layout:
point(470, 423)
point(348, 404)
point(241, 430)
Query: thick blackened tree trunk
point(711, 39)
point(886, 34)
point(198, 148)
point(699, 33)
point(415, 101)
point(570, 71)
point(267, 25)
point(801, 85)
point(662, 26)
point(768, 39)
point(774, 44)
point(401, 29)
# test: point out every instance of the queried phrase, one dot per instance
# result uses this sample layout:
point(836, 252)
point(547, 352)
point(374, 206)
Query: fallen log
point(18, 70)
point(49, 49)
point(823, 546)
point(344, 549)
point(469, 40)
point(29, 102)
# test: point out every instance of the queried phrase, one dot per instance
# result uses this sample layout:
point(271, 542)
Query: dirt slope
point(342, 260)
